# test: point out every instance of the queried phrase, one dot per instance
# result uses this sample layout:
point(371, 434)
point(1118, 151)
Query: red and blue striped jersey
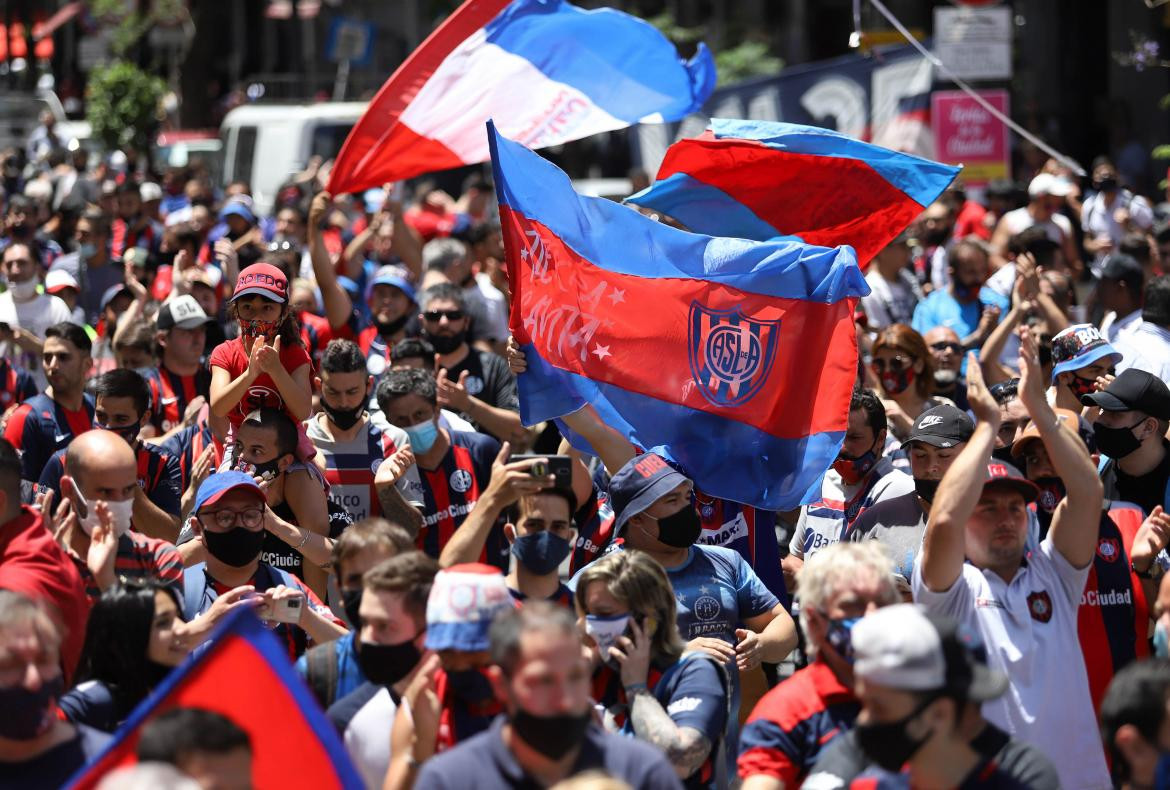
point(450, 491)
point(187, 445)
point(793, 722)
point(40, 427)
point(139, 558)
point(562, 597)
point(747, 530)
point(170, 394)
point(1113, 618)
point(350, 466)
point(16, 385)
point(594, 521)
point(316, 334)
point(158, 476)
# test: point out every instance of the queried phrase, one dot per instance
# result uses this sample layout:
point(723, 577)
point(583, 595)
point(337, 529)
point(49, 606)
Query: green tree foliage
point(745, 60)
point(122, 105)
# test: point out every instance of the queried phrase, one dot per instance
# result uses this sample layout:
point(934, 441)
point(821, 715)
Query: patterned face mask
point(254, 327)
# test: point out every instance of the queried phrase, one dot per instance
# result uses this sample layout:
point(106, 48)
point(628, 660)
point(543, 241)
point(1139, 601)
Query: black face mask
point(1105, 184)
point(389, 328)
point(385, 665)
point(926, 488)
point(551, 736)
point(680, 529)
point(351, 601)
point(445, 344)
point(1051, 492)
point(887, 744)
point(471, 686)
point(237, 547)
point(344, 419)
point(1116, 442)
point(28, 714)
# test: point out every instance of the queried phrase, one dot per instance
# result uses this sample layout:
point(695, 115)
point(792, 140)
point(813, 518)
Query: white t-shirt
point(1146, 347)
point(497, 307)
point(1115, 327)
point(35, 316)
point(1029, 628)
point(367, 737)
point(1097, 217)
point(888, 302)
point(1057, 229)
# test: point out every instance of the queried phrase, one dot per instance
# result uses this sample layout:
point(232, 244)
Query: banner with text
point(967, 134)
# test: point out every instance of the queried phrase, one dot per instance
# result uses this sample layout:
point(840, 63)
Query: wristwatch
point(1153, 572)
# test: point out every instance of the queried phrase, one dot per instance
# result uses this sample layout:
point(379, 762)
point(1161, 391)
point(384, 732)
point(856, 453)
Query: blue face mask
point(541, 552)
point(422, 436)
point(87, 250)
point(1161, 640)
point(840, 636)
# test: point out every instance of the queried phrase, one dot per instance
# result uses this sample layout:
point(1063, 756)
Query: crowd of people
point(315, 416)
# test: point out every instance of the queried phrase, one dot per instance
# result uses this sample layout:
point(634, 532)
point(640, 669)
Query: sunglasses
point(947, 345)
point(451, 315)
point(896, 365)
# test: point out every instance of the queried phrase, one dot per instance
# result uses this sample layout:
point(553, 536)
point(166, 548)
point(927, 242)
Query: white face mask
point(23, 291)
point(119, 514)
point(606, 631)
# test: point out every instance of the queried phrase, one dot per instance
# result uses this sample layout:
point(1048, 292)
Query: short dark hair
point(1136, 695)
point(276, 420)
point(139, 335)
point(875, 414)
point(71, 333)
point(128, 187)
point(123, 383)
point(173, 736)
point(34, 252)
point(1005, 391)
point(517, 510)
point(412, 348)
point(511, 624)
point(399, 383)
point(447, 292)
point(1156, 307)
point(1136, 245)
point(342, 356)
point(98, 221)
point(410, 574)
point(366, 534)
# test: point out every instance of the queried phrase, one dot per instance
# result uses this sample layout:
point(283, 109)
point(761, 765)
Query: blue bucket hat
point(1079, 346)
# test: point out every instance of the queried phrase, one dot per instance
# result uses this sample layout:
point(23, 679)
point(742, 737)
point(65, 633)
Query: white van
point(264, 144)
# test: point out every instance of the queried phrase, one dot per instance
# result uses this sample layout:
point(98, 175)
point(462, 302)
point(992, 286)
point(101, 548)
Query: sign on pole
point(974, 43)
point(965, 133)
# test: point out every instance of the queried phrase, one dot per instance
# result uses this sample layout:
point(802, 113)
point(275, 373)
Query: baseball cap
point(1078, 346)
point(58, 280)
point(1134, 390)
point(391, 275)
point(218, 484)
point(262, 279)
point(904, 647)
point(1005, 475)
point(183, 312)
point(463, 601)
point(1048, 184)
point(1119, 266)
point(111, 293)
point(149, 191)
point(1065, 418)
point(240, 208)
point(942, 426)
point(639, 484)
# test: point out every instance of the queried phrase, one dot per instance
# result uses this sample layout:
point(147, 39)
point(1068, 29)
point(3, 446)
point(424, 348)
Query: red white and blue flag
point(730, 354)
point(554, 71)
point(764, 180)
point(244, 674)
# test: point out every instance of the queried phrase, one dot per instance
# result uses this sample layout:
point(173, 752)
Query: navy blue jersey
point(16, 385)
point(158, 476)
point(40, 427)
point(187, 445)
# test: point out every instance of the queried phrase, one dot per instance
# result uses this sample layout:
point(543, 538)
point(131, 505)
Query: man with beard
point(478, 384)
point(229, 515)
point(947, 350)
point(898, 523)
point(25, 315)
point(960, 306)
point(391, 630)
point(391, 300)
point(488, 309)
point(547, 733)
point(974, 567)
point(935, 228)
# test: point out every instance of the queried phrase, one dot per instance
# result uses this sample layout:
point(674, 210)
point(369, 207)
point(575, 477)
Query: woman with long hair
point(627, 607)
point(131, 644)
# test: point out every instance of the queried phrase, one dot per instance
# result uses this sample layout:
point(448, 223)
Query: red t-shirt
point(231, 356)
point(32, 564)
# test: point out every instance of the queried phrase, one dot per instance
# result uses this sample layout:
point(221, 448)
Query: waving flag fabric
point(246, 676)
point(553, 71)
point(762, 180)
point(737, 356)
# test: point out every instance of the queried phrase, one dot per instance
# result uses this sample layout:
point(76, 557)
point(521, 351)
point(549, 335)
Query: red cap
point(262, 279)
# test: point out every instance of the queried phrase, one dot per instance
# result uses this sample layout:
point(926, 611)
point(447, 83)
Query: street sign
point(350, 40)
point(965, 133)
point(974, 43)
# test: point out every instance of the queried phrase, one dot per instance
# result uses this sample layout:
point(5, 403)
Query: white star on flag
point(618, 295)
point(601, 351)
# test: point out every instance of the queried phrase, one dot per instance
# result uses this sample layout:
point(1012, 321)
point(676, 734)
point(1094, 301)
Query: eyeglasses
point(896, 365)
point(947, 345)
point(451, 315)
point(226, 519)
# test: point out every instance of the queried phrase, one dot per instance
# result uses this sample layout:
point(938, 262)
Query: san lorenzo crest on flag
point(730, 353)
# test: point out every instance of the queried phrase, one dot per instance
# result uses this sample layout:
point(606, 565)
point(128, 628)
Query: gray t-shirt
point(898, 524)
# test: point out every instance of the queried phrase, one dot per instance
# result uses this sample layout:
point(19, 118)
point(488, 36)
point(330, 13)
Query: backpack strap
point(321, 674)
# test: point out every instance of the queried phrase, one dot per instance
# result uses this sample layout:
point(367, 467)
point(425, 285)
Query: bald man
point(947, 351)
point(94, 522)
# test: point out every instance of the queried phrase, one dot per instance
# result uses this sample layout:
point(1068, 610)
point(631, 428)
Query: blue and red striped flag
point(244, 674)
point(764, 180)
point(737, 356)
point(555, 72)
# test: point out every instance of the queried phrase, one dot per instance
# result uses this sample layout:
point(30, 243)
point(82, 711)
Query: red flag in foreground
point(245, 675)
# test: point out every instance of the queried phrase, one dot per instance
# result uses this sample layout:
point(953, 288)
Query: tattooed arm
point(685, 747)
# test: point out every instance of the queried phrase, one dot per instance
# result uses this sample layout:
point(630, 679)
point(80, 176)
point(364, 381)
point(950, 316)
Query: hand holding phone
point(283, 605)
point(559, 466)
